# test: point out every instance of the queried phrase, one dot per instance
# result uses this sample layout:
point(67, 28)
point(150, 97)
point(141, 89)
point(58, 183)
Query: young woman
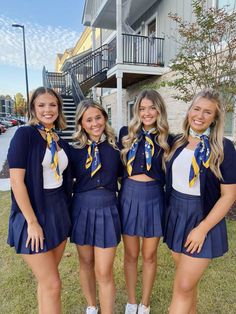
point(95, 219)
point(201, 187)
point(142, 197)
point(39, 222)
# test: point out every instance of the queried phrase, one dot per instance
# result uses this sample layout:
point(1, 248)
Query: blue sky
point(51, 26)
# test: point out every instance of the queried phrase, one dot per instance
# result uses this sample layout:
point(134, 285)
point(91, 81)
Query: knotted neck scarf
point(52, 145)
point(93, 158)
point(202, 154)
point(148, 147)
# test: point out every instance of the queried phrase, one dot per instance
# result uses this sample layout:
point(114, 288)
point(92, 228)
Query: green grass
point(18, 290)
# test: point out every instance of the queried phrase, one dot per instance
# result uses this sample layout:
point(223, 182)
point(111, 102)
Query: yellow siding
point(84, 43)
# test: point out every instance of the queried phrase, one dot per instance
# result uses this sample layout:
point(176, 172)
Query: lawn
point(17, 287)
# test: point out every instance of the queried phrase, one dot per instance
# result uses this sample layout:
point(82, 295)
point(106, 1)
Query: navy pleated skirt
point(182, 215)
point(142, 207)
point(95, 218)
point(56, 227)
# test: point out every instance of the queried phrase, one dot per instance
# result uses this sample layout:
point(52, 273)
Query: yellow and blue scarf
point(202, 155)
point(52, 147)
point(149, 150)
point(93, 158)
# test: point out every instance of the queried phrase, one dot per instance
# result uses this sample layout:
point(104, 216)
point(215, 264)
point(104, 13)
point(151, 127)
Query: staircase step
point(69, 110)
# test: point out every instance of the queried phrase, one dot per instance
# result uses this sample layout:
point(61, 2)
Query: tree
point(20, 104)
point(207, 52)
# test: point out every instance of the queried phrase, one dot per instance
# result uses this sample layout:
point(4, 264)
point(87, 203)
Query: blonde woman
point(39, 172)
point(201, 187)
point(95, 218)
point(144, 145)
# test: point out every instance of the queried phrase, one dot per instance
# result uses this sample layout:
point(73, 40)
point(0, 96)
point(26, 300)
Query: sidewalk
point(5, 139)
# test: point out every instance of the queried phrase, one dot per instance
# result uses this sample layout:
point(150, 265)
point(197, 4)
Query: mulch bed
point(5, 174)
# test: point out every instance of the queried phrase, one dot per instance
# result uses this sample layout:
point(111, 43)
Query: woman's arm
point(197, 236)
point(35, 233)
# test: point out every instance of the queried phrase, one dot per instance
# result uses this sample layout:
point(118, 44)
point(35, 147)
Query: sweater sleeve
point(18, 150)
point(123, 132)
point(228, 166)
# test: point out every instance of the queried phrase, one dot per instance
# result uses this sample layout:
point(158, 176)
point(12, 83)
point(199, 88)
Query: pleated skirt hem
point(142, 207)
point(95, 219)
point(182, 215)
point(56, 227)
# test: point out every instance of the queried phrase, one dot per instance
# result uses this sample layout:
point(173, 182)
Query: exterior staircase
point(69, 110)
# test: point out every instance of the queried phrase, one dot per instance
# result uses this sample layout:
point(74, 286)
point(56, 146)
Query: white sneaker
point(142, 309)
point(92, 310)
point(131, 308)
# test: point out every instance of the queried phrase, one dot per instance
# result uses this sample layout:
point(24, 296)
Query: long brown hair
point(60, 122)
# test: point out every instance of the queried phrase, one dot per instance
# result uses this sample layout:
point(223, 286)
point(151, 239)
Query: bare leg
point(188, 273)
point(45, 268)
point(57, 252)
point(132, 249)
point(104, 259)
point(149, 267)
point(87, 273)
point(193, 310)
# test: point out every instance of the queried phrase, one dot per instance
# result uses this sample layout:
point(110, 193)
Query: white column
point(119, 59)
point(119, 104)
point(94, 90)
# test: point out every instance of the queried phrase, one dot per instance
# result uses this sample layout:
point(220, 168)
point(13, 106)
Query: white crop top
point(180, 174)
point(49, 179)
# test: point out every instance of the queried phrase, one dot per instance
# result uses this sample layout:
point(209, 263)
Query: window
point(130, 106)
point(109, 114)
point(152, 28)
point(229, 113)
point(229, 123)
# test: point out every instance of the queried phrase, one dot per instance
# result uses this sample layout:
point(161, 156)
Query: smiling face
point(147, 113)
point(202, 114)
point(46, 109)
point(93, 122)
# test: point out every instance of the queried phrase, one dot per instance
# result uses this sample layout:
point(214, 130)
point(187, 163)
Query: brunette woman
point(39, 222)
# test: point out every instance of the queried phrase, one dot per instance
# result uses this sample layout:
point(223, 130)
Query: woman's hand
point(195, 240)
point(35, 236)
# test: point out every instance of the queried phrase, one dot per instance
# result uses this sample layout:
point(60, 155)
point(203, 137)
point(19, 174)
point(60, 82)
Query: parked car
point(6, 123)
point(2, 129)
point(13, 121)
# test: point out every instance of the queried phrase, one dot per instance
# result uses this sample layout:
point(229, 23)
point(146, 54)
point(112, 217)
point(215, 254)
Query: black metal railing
point(60, 82)
point(147, 50)
point(89, 66)
point(77, 93)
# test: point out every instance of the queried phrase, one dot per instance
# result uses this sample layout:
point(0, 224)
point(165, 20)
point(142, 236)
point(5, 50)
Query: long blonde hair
point(216, 134)
point(80, 136)
point(60, 122)
point(136, 124)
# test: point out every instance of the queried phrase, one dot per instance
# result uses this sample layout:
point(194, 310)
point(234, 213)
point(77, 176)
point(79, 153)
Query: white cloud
point(42, 43)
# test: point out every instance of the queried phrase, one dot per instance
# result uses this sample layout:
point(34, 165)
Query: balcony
point(142, 58)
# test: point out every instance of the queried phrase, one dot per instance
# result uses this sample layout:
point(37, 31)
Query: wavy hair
point(60, 122)
point(136, 124)
point(216, 134)
point(80, 135)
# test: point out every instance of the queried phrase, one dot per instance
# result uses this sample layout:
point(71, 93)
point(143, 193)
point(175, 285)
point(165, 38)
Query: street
point(5, 139)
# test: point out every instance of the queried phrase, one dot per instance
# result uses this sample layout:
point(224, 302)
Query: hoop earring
point(213, 124)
